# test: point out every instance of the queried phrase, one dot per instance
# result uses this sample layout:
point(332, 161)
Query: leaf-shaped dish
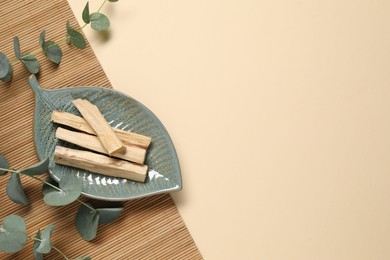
point(121, 112)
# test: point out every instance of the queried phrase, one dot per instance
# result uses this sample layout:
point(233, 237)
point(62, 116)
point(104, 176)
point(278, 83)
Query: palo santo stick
point(80, 124)
point(132, 153)
point(100, 164)
point(98, 123)
point(133, 138)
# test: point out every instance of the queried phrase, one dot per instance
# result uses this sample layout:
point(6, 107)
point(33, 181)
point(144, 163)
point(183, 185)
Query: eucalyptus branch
point(46, 183)
point(68, 190)
point(51, 49)
point(13, 238)
point(35, 178)
point(58, 42)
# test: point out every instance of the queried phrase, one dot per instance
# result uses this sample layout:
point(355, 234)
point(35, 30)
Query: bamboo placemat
point(149, 228)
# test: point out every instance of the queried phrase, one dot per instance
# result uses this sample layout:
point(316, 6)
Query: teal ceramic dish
point(121, 112)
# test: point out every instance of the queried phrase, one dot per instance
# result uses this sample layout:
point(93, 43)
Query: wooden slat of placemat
point(149, 228)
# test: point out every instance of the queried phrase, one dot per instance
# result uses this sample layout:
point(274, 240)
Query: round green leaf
point(112, 1)
point(84, 258)
point(5, 66)
point(8, 77)
point(13, 234)
point(37, 256)
point(85, 14)
point(87, 221)
point(52, 51)
point(15, 190)
point(70, 187)
point(45, 245)
point(30, 62)
point(3, 164)
point(108, 215)
point(99, 21)
point(38, 168)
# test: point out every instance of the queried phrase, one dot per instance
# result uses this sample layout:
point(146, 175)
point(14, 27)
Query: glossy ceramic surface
point(121, 112)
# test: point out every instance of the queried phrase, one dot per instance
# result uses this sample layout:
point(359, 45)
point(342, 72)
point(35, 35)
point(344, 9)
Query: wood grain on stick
point(80, 124)
point(99, 124)
point(131, 153)
point(100, 164)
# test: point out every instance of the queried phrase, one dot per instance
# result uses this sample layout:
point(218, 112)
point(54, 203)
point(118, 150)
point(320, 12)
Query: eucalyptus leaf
point(70, 189)
point(5, 68)
point(30, 62)
point(109, 215)
point(67, 34)
point(15, 190)
point(86, 14)
point(37, 256)
point(47, 188)
point(4, 65)
point(45, 243)
point(17, 47)
point(77, 39)
point(51, 49)
point(42, 38)
point(83, 258)
point(112, 1)
point(9, 75)
point(99, 21)
point(13, 234)
point(3, 164)
point(38, 168)
point(87, 221)
point(68, 38)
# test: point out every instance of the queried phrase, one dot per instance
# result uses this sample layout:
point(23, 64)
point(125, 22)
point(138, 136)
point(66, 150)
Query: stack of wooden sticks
point(115, 152)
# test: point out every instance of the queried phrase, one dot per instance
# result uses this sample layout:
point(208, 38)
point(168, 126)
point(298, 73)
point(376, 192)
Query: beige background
point(280, 113)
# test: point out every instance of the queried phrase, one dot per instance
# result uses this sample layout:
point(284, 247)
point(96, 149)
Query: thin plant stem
point(8, 170)
point(35, 178)
point(55, 248)
point(40, 180)
point(85, 204)
point(59, 251)
point(100, 8)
